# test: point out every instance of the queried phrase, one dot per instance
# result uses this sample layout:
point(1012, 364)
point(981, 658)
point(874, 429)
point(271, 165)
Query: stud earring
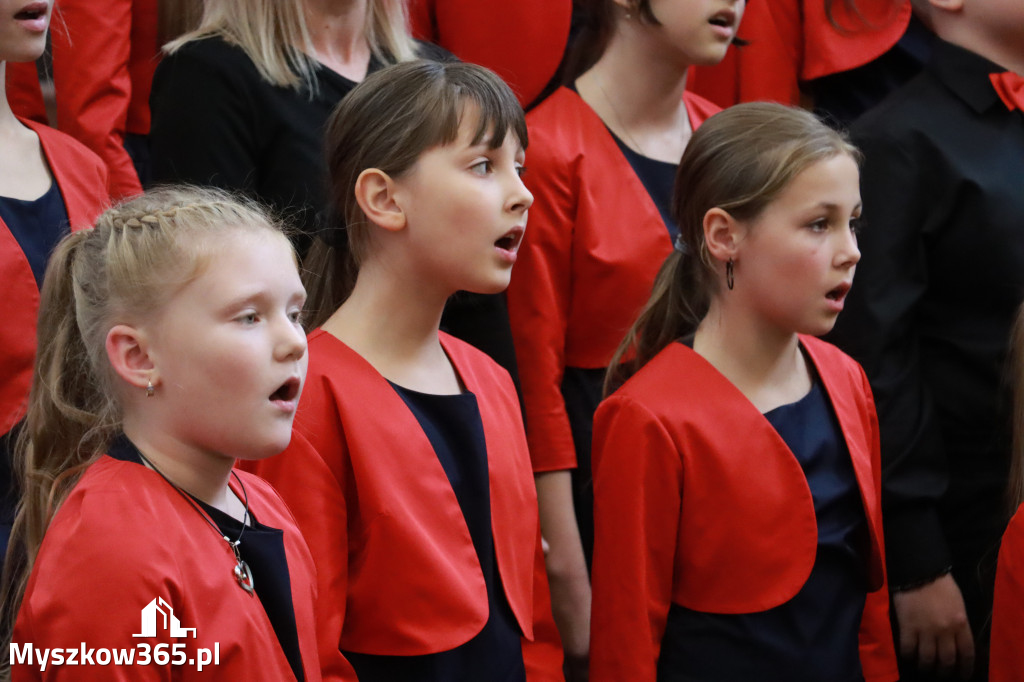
point(730, 280)
point(150, 390)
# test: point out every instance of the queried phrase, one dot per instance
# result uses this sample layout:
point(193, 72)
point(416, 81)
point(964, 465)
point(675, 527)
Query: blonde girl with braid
point(170, 346)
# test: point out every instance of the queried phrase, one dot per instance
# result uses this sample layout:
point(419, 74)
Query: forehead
point(834, 180)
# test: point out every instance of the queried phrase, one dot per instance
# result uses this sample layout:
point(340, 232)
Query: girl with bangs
point(409, 473)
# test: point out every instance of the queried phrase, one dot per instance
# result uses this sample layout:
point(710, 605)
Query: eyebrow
point(827, 205)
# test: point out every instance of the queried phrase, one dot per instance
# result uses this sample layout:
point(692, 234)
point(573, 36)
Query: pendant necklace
point(241, 571)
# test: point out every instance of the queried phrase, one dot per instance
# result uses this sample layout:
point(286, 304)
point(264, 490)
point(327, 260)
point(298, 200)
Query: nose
point(291, 342)
point(519, 197)
point(848, 254)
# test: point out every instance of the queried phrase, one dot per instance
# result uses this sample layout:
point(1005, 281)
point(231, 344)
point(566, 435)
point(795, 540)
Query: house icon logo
point(159, 610)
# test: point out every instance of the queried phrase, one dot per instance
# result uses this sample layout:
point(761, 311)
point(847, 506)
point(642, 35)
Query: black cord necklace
point(241, 571)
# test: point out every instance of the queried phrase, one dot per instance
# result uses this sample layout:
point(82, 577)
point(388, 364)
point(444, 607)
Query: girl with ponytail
point(737, 511)
point(170, 339)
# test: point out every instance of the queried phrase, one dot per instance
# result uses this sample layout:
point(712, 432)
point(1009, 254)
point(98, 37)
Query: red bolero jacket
point(123, 538)
point(521, 40)
point(82, 180)
point(104, 55)
point(1006, 662)
point(699, 502)
point(397, 570)
point(594, 243)
point(793, 41)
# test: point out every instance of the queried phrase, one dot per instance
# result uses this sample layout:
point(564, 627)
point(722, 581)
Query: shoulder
point(201, 60)
point(472, 360)
point(662, 381)
point(830, 360)
point(562, 117)
point(915, 108)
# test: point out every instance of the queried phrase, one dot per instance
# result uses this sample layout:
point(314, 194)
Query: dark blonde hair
point(136, 257)
point(739, 160)
point(387, 122)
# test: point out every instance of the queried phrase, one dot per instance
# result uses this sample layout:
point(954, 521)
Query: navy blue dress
point(814, 636)
point(453, 425)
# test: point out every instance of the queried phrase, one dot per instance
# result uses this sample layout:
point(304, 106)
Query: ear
point(128, 353)
point(375, 194)
point(722, 234)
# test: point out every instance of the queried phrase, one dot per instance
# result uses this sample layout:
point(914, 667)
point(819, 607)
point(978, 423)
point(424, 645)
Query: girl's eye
point(249, 318)
point(856, 225)
point(482, 167)
point(520, 170)
point(296, 317)
point(819, 225)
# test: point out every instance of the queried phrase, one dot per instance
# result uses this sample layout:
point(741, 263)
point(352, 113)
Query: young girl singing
point(409, 473)
point(738, 531)
point(170, 338)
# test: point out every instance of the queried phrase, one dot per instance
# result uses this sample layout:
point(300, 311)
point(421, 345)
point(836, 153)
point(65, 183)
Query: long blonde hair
point(274, 35)
point(135, 258)
point(740, 160)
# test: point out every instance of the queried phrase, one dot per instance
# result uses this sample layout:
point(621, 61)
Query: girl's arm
point(638, 492)
point(566, 569)
point(543, 656)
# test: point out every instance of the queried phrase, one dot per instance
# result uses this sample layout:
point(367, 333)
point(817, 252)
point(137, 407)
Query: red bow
point(1010, 88)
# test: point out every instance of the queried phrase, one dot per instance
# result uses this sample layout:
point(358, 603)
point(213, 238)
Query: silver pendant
point(244, 576)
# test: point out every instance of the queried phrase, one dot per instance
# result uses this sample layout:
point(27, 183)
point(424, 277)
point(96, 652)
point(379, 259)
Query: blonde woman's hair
point(274, 35)
point(136, 257)
point(740, 160)
point(1015, 489)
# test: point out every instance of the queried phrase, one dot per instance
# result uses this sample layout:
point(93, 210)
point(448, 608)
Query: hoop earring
point(150, 390)
point(730, 279)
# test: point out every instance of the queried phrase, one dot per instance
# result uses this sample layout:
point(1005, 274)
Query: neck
point(1010, 57)
point(7, 120)
point(638, 94)
point(203, 476)
point(765, 364)
point(392, 320)
point(337, 31)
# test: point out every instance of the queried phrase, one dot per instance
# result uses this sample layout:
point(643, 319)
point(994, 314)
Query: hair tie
point(681, 246)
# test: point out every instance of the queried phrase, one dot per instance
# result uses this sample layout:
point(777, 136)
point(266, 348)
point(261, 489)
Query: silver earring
point(730, 280)
point(150, 390)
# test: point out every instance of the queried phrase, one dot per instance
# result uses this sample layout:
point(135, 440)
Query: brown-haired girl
point(1006, 658)
point(409, 473)
point(737, 512)
point(607, 147)
point(170, 338)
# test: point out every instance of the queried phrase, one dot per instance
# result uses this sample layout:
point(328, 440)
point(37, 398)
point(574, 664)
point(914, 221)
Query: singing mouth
point(511, 240)
point(839, 293)
point(32, 11)
point(724, 18)
point(288, 391)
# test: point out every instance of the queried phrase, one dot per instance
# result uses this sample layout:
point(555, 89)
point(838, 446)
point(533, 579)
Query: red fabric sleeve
point(521, 40)
point(877, 649)
point(538, 303)
point(93, 84)
point(317, 499)
point(1006, 654)
point(637, 492)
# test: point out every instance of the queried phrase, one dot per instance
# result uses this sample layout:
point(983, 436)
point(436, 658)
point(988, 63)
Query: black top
point(658, 178)
point(37, 225)
point(939, 281)
point(452, 424)
point(813, 636)
point(216, 121)
point(262, 549)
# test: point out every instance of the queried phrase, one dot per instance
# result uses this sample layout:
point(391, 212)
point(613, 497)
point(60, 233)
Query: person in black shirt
point(929, 318)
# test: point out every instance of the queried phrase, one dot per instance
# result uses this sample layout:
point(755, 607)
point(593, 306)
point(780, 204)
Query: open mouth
point(32, 12)
point(288, 391)
point(724, 19)
point(839, 293)
point(511, 240)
